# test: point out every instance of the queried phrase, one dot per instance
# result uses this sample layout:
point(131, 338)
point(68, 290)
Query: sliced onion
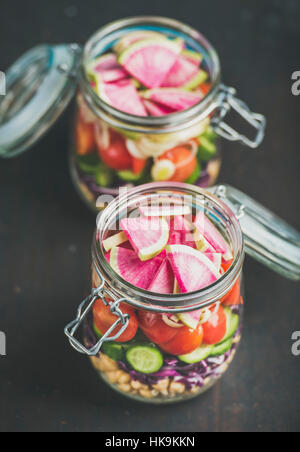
point(170, 321)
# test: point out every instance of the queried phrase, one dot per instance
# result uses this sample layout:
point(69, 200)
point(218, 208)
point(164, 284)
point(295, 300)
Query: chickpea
point(124, 387)
point(177, 388)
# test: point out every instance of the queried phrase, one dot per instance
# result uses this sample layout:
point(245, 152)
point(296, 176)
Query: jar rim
point(154, 125)
point(173, 303)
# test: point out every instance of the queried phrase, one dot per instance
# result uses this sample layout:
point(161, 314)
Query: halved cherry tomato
point(85, 138)
point(176, 341)
point(184, 161)
point(116, 156)
point(155, 328)
point(104, 319)
point(185, 341)
point(233, 297)
point(214, 329)
point(138, 165)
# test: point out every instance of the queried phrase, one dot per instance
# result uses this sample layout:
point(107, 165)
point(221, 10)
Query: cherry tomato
point(205, 88)
point(116, 156)
point(155, 328)
point(215, 328)
point(185, 341)
point(104, 319)
point(233, 297)
point(184, 161)
point(138, 165)
point(85, 138)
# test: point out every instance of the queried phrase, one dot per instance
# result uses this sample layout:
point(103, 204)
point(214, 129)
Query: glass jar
point(184, 369)
point(41, 84)
point(152, 140)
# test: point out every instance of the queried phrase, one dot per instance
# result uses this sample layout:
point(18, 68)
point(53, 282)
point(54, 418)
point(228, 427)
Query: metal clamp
point(83, 310)
point(227, 101)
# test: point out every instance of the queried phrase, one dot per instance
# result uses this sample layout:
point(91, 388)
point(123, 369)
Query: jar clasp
point(227, 101)
point(85, 307)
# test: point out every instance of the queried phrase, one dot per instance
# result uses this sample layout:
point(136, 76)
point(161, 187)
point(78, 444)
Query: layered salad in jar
point(162, 356)
point(145, 74)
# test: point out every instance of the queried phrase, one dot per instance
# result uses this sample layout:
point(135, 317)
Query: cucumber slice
point(197, 355)
point(207, 149)
point(221, 348)
point(195, 176)
point(144, 359)
point(232, 324)
point(113, 350)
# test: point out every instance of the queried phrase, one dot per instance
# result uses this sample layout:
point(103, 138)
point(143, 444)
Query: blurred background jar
point(111, 148)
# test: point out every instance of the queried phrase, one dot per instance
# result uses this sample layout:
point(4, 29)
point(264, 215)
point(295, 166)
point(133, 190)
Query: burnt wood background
point(46, 231)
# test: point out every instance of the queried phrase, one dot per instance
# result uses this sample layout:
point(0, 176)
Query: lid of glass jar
point(267, 238)
point(39, 86)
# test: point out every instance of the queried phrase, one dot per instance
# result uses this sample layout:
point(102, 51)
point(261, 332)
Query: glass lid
point(267, 238)
point(39, 86)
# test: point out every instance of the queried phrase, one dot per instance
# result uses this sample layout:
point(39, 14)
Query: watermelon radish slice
point(193, 57)
point(150, 60)
point(114, 240)
point(174, 98)
point(128, 265)
point(192, 269)
point(190, 319)
point(216, 258)
point(199, 78)
point(212, 235)
point(157, 110)
point(122, 96)
point(111, 75)
point(102, 63)
point(181, 232)
point(164, 211)
point(180, 74)
point(163, 281)
point(135, 36)
point(148, 236)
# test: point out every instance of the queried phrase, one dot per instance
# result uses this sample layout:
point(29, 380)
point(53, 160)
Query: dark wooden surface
point(46, 233)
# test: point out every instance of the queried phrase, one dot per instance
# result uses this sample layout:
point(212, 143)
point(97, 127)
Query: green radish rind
point(145, 359)
point(222, 347)
point(201, 353)
point(232, 321)
point(197, 80)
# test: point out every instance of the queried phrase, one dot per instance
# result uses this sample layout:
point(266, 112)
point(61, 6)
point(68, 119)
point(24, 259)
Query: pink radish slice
point(181, 232)
point(216, 258)
point(174, 98)
point(180, 74)
point(148, 236)
point(163, 281)
point(104, 62)
point(157, 110)
point(112, 75)
point(123, 96)
point(150, 60)
point(212, 235)
point(192, 269)
point(128, 265)
point(107, 257)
